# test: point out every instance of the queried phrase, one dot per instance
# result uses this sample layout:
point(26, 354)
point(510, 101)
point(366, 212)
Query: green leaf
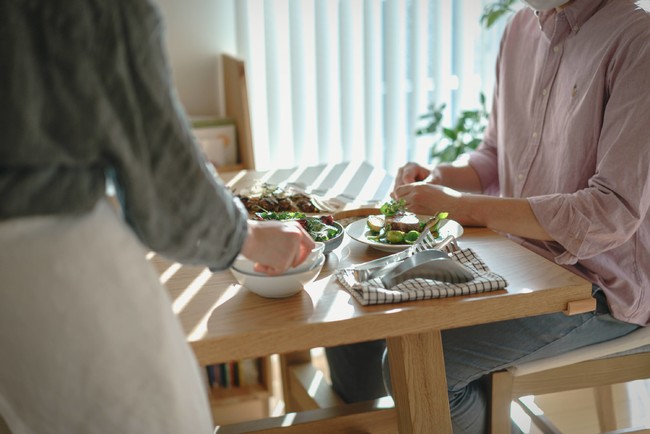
point(448, 132)
point(495, 11)
point(448, 154)
point(473, 144)
point(392, 207)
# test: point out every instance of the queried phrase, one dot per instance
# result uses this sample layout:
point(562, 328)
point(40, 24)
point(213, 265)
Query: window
point(339, 80)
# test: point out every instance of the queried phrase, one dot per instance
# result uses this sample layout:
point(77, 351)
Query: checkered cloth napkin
point(373, 292)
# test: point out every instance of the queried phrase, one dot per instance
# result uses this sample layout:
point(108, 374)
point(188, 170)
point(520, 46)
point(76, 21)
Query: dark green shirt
point(85, 95)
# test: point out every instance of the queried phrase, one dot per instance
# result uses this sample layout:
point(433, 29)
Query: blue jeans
point(472, 353)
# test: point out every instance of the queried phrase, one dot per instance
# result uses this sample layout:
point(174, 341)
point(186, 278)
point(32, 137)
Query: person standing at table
point(564, 169)
point(89, 342)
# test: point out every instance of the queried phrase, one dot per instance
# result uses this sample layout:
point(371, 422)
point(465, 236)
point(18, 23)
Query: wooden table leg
point(419, 383)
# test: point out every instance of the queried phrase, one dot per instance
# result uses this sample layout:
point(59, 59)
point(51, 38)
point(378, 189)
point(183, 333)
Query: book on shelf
point(234, 374)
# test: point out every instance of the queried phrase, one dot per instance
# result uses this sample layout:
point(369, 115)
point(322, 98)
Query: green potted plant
point(497, 10)
point(453, 141)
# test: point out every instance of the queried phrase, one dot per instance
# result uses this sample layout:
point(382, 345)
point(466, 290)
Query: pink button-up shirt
point(570, 131)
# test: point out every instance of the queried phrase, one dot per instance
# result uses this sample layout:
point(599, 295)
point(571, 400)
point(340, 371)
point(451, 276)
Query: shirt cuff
point(486, 168)
point(564, 223)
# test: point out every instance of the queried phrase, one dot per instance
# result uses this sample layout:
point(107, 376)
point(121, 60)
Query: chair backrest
point(236, 97)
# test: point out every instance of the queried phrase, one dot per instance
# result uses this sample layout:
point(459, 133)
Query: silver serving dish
point(427, 264)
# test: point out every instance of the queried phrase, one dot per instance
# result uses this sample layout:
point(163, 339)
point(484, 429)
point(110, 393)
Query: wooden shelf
point(244, 403)
point(229, 168)
point(233, 395)
point(239, 404)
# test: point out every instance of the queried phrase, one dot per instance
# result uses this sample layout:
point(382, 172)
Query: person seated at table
point(89, 342)
point(564, 170)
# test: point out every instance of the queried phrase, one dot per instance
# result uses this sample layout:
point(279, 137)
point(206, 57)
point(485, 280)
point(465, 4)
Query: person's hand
point(276, 246)
point(411, 172)
point(428, 199)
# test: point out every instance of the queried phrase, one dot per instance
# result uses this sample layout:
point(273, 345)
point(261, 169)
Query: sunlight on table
point(202, 326)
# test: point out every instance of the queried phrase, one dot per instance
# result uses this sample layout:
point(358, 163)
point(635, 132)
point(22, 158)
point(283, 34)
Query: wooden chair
point(597, 366)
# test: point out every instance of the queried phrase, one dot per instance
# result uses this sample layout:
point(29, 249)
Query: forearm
point(461, 178)
point(513, 216)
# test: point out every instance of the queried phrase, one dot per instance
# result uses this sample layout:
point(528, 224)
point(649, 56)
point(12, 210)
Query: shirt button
point(535, 135)
point(556, 48)
point(520, 176)
point(544, 92)
point(576, 28)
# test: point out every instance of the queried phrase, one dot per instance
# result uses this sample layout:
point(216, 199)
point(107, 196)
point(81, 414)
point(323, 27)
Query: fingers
point(411, 172)
point(267, 269)
point(419, 197)
point(403, 191)
point(307, 244)
point(277, 246)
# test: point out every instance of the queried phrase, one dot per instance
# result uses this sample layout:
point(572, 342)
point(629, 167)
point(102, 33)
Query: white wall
point(197, 33)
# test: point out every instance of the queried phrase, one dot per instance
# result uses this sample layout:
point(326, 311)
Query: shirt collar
point(576, 14)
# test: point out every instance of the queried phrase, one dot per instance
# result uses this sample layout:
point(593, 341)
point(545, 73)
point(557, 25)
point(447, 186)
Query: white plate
point(360, 232)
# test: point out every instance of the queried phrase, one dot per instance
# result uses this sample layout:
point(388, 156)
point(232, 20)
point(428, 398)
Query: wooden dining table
point(224, 321)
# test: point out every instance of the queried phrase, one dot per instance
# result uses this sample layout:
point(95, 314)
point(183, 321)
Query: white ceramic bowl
point(246, 266)
point(281, 286)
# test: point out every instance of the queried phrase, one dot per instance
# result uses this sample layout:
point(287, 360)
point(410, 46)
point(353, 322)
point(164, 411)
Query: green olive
point(395, 237)
point(411, 237)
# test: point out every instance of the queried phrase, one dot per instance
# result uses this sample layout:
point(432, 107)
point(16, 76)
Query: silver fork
point(425, 233)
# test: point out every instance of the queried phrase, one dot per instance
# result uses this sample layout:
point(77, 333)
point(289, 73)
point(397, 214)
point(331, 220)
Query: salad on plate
point(396, 225)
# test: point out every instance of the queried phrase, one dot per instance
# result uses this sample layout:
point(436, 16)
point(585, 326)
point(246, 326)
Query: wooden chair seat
point(598, 366)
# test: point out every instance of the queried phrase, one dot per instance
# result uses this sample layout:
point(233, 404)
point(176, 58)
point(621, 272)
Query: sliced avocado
point(376, 222)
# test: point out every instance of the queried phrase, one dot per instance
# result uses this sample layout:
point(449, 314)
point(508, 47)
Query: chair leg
point(605, 407)
point(501, 399)
point(543, 423)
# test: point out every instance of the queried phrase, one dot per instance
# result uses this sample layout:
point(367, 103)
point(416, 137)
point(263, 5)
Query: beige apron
point(88, 341)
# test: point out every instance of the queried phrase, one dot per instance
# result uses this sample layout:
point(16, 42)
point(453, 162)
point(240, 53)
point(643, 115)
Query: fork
point(425, 232)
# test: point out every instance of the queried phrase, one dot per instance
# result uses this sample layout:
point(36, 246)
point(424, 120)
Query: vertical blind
point(347, 80)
